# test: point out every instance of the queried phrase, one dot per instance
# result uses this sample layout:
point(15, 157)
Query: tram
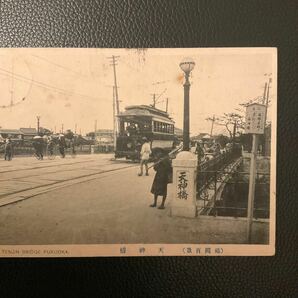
point(140, 121)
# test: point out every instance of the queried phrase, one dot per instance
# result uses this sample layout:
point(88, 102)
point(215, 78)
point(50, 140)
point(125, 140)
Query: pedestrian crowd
point(41, 144)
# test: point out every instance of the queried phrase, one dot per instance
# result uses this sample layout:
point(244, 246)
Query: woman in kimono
point(163, 170)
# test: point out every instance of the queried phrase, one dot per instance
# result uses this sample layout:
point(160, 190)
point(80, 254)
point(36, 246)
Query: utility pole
point(154, 99)
point(95, 129)
point(62, 126)
point(167, 104)
point(212, 124)
point(213, 119)
point(38, 119)
point(75, 128)
point(55, 128)
point(267, 100)
point(264, 96)
point(113, 60)
point(114, 119)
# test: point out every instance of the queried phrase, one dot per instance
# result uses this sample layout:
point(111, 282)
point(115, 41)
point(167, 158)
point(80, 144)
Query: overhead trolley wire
point(44, 85)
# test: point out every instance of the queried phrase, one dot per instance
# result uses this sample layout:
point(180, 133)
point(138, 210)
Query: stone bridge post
point(184, 185)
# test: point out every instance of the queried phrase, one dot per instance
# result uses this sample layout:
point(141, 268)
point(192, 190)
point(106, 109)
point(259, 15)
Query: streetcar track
point(42, 167)
point(52, 172)
point(62, 181)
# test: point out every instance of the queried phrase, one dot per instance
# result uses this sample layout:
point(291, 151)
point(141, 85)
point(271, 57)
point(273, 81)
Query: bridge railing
point(222, 187)
point(229, 193)
point(206, 169)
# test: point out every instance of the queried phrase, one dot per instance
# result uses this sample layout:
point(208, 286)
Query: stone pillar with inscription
point(184, 185)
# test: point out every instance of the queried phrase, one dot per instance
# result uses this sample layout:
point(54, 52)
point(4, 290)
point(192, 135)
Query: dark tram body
point(141, 121)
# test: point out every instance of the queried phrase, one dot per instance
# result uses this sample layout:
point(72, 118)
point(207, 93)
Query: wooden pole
point(267, 101)
point(95, 129)
point(114, 120)
point(252, 184)
point(167, 104)
point(264, 96)
point(213, 119)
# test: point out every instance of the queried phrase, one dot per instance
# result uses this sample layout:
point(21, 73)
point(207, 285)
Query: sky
point(73, 87)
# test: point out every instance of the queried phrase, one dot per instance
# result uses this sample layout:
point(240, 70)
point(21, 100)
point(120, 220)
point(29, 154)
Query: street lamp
point(187, 65)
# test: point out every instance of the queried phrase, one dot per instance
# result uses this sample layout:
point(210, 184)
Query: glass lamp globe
point(187, 65)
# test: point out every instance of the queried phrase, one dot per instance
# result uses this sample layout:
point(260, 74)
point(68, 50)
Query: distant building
point(202, 136)
point(14, 134)
point(104, 137)
point(28, 133)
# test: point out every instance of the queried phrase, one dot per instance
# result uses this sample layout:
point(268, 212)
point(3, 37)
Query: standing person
point(8, 150)
point(62, 145)
point(145, 154)
point(200, 151)
point(159, 187)
point(51, 146)
point(38, 147)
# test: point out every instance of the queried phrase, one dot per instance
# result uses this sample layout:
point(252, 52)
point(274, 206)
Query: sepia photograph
point(137, 152)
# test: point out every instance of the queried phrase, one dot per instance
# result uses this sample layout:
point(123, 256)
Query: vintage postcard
point(137, 152)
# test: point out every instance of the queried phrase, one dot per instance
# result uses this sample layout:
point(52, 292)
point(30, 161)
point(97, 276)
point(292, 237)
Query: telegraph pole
point(38, 119)
point(114, 63)
point(213, 119)
point(167, 104)
point(114, 119)
point(62, 126)
point(267, 100)
point(212, 124)
point(113, 60)
point(95, 129)
point(264, 96)
point(75, 128)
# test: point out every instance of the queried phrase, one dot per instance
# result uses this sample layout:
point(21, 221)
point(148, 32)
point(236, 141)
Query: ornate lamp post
point(187, 65)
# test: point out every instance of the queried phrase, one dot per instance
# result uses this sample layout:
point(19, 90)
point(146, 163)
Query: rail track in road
point(49, 163)
point(97, 172)
point(55, 171)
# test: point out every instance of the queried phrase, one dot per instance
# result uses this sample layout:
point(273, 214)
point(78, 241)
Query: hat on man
point(144, 139)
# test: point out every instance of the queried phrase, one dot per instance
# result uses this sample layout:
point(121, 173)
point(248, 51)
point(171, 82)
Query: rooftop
point(10, 131)
point(29, 130)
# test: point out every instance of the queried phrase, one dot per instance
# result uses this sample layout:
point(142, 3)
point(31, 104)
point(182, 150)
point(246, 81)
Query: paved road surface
point(109, 204)
point(27, 173)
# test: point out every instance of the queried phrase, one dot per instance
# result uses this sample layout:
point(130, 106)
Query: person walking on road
point(145, 154)
point(8, 150)
point(50, 146)
point(62, 145)
point(38, 147)
point(159, 187)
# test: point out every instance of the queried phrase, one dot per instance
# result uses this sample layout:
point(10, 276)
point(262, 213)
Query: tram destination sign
point(255, 118)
